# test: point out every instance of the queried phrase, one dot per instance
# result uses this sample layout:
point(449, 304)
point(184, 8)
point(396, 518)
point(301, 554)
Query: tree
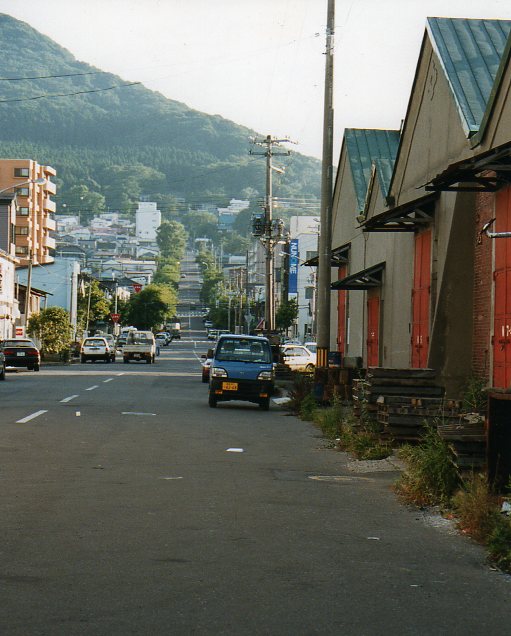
point(286, 314)
point(171, 238)
point(92, 305)
point(52, 328)
point(81, 201)
point(150, 308)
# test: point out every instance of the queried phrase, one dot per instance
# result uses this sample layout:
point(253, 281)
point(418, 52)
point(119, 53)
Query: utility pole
point(28, 290)
point(325, 236)
point(271, 233)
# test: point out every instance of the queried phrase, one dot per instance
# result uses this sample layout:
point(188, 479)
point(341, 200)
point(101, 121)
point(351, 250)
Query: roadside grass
point(432, 479)
point(360, 438)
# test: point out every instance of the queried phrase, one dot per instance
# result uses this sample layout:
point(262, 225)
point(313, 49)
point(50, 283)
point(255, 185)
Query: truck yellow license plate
point(229, 386)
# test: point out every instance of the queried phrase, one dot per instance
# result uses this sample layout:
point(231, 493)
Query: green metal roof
point(470, 52)
point(368, 146)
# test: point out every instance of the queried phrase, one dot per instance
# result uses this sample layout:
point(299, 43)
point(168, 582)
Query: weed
point(301, 390)
point(329, 419)
point(475, 508)
point(431, 477)
point(307, 407)
point(499, 542)
point(475, 396)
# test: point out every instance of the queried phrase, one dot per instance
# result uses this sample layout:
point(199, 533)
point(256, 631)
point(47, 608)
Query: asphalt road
point(128, 506)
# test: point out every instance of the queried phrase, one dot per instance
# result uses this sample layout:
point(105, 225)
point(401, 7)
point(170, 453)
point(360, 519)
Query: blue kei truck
point(241, 369)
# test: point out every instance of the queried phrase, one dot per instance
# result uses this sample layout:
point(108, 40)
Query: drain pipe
point(493, 235)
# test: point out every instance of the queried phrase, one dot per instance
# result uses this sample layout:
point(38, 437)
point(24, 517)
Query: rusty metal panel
point(373, 331)
point(502, 294)
point(421, 300)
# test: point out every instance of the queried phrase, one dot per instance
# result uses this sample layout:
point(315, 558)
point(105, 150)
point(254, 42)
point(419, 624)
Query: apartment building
point(34, 216)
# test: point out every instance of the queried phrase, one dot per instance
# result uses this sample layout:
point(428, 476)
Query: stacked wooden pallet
point(467, 437)
point(400, 400)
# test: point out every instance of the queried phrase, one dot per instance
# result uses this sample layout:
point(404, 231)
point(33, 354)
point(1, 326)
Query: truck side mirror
point(210, 353)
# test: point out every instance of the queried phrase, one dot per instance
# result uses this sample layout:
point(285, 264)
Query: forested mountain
point(125, 142)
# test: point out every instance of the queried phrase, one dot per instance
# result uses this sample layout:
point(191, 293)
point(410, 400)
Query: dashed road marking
point(91, 388)
point(234, 450)
point(108, 380)
point(68, 399)
point(135, 413)
point(30, 417)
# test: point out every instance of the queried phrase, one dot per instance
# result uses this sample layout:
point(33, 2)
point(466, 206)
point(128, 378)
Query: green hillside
point(126, 142)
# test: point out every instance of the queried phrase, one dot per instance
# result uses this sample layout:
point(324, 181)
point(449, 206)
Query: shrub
point(430, 477)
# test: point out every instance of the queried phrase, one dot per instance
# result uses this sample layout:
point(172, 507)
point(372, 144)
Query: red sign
point(137, 287)
point(115, 317)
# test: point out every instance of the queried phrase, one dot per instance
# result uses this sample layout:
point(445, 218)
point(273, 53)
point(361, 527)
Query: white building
point(147, 221)
point(9, 311)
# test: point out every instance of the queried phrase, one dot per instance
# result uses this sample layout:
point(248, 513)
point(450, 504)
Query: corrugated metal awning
point(467, 175)
point(408, 217)
point(339, 257)
point(366, 279)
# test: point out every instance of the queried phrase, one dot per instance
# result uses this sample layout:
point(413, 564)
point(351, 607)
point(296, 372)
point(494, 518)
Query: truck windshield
point(243, 350)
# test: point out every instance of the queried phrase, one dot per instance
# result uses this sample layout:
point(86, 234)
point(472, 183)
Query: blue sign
point(293, 266)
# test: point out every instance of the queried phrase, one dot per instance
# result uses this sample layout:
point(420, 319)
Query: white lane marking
point(135, 413)
point(234, 450)
point(91, 388)
point(68, 399)
point(30, 417)
point(170, 478)
point(78, 413)
point(108, 380)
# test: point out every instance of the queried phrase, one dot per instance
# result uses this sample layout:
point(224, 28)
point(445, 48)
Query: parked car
point(2, 365)
point(206, 366)
point(298, 357)
point(21, 352)
point(96, 348)
point(208, 324)
point(311, 346)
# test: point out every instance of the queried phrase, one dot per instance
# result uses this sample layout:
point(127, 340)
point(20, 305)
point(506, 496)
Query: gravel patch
point(389, 464)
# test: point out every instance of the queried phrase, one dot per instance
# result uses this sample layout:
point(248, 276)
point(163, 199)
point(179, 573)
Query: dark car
point(21, 352)
point(2, 365)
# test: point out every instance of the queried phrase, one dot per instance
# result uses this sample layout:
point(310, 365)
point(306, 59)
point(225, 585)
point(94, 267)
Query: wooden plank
point(384, 372)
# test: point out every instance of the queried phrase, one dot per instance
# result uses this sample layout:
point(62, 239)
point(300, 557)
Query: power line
point(95, 90)
point(35, 77)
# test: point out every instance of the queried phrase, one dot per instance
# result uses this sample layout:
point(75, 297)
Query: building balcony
point(49, 242)
point(49, 171)
point(50, 187)
point(50, 224)
point(49, 205)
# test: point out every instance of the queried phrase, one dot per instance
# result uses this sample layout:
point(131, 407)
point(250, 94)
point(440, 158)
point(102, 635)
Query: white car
point(96, 348)
point(298, 357)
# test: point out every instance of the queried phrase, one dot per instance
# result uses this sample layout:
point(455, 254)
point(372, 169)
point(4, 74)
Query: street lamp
point(38, 181)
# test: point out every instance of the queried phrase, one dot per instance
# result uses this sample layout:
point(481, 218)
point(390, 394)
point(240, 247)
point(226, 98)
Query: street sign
point(137, 287)
point(115, 318)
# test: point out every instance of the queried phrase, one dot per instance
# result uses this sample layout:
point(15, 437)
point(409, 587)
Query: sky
point(259, 63)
